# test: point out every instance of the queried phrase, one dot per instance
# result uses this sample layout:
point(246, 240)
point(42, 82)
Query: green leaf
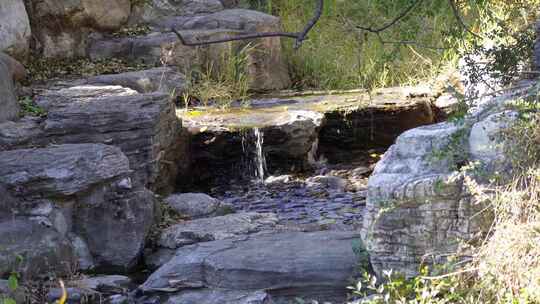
point(13, 282)
point(9, 301)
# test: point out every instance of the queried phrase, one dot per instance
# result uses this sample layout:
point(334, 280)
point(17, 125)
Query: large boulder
point(83, 195)
point(312, 265)
point(209, 229)
point(16, 69)
point(155, 10)
point(9, 106)
point(265, 65)
point(144, 126)
point(419, 208)
point(60, 171)
point(227, 143)
point(216, 228)
point(62, 27)
point(33, 249)
point(15, 31)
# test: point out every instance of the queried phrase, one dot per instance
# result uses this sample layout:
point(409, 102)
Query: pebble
point(299, 202)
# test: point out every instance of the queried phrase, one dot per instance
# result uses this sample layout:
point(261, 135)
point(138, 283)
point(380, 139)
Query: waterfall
point(260, 161)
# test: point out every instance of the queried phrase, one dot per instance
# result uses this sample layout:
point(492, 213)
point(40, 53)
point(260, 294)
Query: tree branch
point(456, 13)
point(298, 36)
point(403, 14)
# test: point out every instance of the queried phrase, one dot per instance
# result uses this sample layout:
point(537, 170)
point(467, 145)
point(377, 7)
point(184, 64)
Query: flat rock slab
point(164, 79)
point(62, 170)
point(267, 111)
point(289, 264)
point(216, 228)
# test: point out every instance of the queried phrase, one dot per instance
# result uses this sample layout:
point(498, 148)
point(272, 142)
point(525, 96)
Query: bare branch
point(456, 13)
point(299, 36)
point(403, 14)
point(415, 43)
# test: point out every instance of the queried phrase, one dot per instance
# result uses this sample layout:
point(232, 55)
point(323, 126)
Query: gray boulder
point(335, 183)
point(9, 106)
point(316, 265)
point(216, 228)
point(15, 31)
point(226, 144)
point(84, 194)
point(115, 226)
point(79, 18)
point(266, 68)
point(17, 70)
point(206, 230)
point(194, 205)
point(33, 249)
point(144, 126)
point(418, 209)
point(155, 10)
point(60, 171)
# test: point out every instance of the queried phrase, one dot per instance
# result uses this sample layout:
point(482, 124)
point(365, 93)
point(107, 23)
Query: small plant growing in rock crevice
point(30, 108)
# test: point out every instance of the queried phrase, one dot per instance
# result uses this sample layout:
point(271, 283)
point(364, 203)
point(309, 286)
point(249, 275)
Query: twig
point(415, 43)
point(456, 13)
point(450, 274)
point(393, 22)
point(298, 36)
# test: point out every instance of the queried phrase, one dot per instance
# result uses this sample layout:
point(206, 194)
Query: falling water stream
point(260, 160)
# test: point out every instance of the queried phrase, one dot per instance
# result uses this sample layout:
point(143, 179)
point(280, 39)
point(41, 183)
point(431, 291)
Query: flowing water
point(260, 160)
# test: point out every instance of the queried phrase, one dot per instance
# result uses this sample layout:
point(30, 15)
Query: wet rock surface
point(306, 205)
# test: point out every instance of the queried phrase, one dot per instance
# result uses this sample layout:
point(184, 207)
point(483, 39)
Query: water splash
point(260, 160)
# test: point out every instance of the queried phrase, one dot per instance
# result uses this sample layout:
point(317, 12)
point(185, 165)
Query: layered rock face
point(418, 208)
point(73, 202)
point(75, 182)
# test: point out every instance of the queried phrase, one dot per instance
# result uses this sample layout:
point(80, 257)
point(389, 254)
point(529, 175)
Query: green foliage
point(30, 108)
point(12, 283)
point(222, 81)
point(361, 254)
point(338, 55)
point(422, 289)
point(455, 151)
point(137, 30)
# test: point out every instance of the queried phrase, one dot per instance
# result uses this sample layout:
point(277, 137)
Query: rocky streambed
point(131, 199)
point(279, 189)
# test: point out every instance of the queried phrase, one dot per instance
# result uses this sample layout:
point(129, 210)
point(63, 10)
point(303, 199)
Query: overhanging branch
point(299, 36)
